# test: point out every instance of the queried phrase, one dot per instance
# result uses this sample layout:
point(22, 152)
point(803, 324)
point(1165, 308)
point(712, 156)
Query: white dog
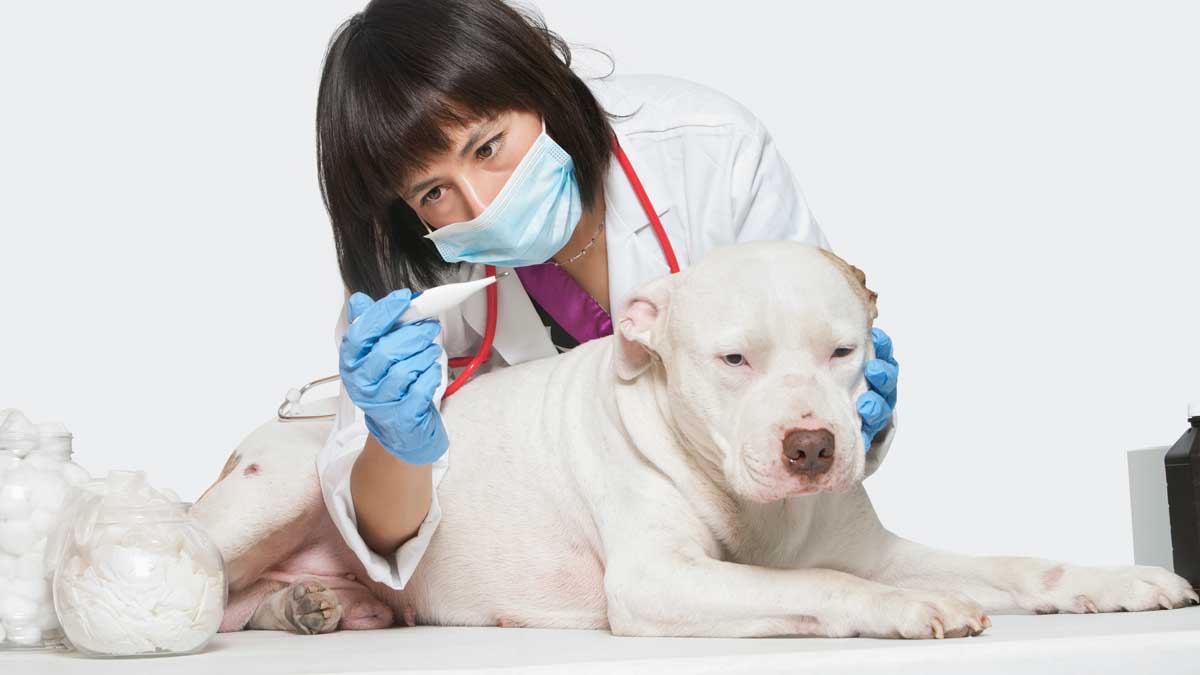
point(697, 473)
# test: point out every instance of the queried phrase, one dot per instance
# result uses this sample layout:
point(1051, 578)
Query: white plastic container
point(134, 575)
point(36, 473)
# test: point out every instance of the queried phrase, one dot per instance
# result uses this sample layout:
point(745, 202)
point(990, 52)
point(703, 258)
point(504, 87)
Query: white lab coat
point(714, 176)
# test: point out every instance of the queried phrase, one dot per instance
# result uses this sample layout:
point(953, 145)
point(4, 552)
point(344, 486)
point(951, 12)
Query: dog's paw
point(311, 607)
point(1118, 588)
point(913, 614)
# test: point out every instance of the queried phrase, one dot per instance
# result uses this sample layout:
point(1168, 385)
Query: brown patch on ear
point(858, 281)
point(230, 465)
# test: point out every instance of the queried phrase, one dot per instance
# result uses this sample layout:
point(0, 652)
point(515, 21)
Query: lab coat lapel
point(634, 253)
point(520, 335)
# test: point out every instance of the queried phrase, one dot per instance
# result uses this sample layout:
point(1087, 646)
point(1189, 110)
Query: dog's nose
point(808, 452)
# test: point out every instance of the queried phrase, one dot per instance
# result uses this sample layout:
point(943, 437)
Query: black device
point(1183, 499)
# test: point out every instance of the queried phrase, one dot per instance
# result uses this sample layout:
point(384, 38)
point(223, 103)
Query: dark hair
point(396, 76)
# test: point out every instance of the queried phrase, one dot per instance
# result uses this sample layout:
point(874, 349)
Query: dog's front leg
point(1007, 583)
point(680, 591)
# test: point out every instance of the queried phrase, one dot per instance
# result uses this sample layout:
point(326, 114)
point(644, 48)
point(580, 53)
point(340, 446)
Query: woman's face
point(458, 185)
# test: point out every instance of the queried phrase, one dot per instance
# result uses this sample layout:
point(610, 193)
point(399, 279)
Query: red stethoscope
point(472, 363)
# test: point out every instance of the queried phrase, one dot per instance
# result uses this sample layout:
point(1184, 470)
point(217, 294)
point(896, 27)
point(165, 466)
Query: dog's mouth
point(771, 482)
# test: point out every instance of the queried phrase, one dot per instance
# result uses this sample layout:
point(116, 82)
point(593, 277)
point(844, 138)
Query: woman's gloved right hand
point(391, 372)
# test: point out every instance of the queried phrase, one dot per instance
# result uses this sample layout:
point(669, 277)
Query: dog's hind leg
point(287, 565)
point(304, 606)
point(243, 603)
point(255, 510)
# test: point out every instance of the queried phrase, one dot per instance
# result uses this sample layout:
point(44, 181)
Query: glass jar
point(134, 575)
point(36, 473)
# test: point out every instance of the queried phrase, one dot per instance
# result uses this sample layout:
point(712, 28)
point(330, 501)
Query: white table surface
point(1146, 643)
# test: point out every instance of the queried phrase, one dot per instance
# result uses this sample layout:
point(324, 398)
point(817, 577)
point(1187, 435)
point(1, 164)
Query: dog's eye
point(842, 351)
point(734, 359)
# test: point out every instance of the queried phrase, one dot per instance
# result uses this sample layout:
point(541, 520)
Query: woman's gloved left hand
point(875, 405)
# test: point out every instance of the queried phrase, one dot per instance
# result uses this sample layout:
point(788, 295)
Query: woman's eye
point(734, 359)
point(426, 199)
point(842, 351)
point(492, 147)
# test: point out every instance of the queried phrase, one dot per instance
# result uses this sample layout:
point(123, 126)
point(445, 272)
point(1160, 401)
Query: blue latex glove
point(875, 405)
point(391, 372)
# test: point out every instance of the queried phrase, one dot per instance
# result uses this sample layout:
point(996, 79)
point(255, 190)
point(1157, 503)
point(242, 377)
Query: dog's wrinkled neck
point(693, 444)
point(646, 415)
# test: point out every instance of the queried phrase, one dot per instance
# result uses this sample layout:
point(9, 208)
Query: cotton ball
point(16, 609)
point(27, 635)
point(43, 520)
point(42, 462)
point(8, 566)
point(50, 490)
point(29, 566)
point(38, 548)
point(34, 591)
point(16, 502)
point(16, 536)
point(8, 462)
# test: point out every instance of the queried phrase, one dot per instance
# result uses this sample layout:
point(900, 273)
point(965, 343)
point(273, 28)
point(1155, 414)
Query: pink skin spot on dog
point(1052, 576)
point(251, 470)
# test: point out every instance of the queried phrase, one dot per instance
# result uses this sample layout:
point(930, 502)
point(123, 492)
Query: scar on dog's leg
point(242, 604)
point(305, 606)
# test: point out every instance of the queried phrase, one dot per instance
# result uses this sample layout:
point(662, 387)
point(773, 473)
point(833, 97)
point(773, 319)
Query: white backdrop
point(1018, 181)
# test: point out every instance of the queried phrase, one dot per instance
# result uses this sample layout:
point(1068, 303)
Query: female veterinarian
point(455, 142)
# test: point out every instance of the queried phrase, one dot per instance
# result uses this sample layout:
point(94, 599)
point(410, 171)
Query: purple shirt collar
point(565, 300)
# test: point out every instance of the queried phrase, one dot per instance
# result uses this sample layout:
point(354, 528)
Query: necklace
point(577, 256)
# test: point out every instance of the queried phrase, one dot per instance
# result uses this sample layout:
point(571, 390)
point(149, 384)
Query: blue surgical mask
point(529, 221)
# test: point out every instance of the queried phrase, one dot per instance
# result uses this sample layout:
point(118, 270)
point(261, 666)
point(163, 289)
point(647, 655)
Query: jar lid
point(53, 430)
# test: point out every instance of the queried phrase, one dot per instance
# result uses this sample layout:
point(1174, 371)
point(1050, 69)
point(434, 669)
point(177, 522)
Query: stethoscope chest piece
point(322, 409)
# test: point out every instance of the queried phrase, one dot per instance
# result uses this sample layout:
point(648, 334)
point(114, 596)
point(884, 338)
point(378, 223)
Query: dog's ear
point(858, 281)
point(871, 295)
point(640, 326)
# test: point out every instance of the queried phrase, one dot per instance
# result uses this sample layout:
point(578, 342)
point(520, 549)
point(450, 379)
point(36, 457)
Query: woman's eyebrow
point(480, 129)
point(484, 127)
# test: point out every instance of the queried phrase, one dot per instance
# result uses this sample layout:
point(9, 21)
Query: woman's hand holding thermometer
point(389, 366)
